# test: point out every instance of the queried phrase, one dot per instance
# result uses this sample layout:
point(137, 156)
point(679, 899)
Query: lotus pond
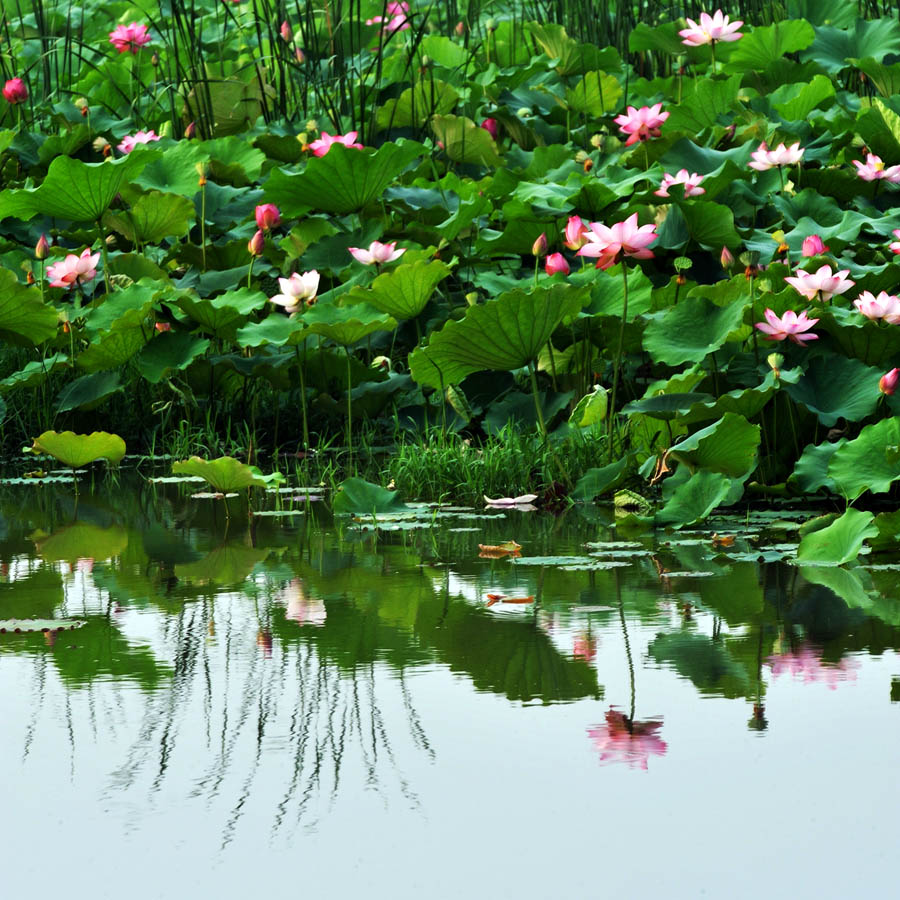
point(401, 705)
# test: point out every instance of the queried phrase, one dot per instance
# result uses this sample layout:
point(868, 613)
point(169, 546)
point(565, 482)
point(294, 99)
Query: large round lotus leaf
point(666, 406)
point(223, 314)
point(404, 291)
point(88, 391)
point(465, 142)
point(275, 329)
point(343, 180)
point(356, 495)
point(171, 351)
point(77, 450)
point(835, 387)
point(503, 334)
point(22, 314)
point(692, 330)
point(590, 409)
point(694, 499)
point(152, 217)
point(839, 542)
point(870, 462)
point(728, 446)
point(347, 325)
point(225, 473)
point(34, 373)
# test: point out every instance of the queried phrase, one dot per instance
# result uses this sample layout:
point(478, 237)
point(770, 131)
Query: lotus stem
point(104, 253)
point(537, 401)
point(617, 361)
point(349, 406)
point(301, 364)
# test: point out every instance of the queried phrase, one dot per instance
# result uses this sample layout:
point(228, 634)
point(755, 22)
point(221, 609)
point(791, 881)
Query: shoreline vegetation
point(551, 248)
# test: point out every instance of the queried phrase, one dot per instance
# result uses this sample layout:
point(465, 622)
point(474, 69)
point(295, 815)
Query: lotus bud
point(29, 277)
point(286, 32)
point(887, 384)
point(813, 246)
point(472, 298)
point(539, 247)
point(42, 248)
point(15, 91)
point(299, 56)
point(460, 29)
point(490, 126)
point(491, 24)
point(163, 326)
point(268, 216)
point(726, 259)
point(556, 262)
point(256, 243)
point(154, 60)
point(191, 130)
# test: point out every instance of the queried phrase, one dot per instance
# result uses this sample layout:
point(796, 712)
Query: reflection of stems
point(627, 647)
point(617, 361)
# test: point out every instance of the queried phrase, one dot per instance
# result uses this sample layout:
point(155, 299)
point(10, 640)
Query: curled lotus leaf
point(77, 450)
point(225, 473)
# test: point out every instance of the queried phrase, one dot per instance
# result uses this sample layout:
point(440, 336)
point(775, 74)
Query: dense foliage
point(273, 226)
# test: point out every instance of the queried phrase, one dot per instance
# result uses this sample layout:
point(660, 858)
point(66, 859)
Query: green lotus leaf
point(225, 473)
point(175, 171)
point(275, 329)
point(74, 190)
point(34, 373)
point(596, 95)
point(811, 470)
point(172, 351)
point(770, 43)
point(222, 315)
point(747, 403)
point(839, 542)
point(666, 406)
point(692, 330)
point(599, 481)
point(29, 626)
point(347, 325)
point(709, 224)
point(834, 47)
point(343, 180)
point(88, 391)
point(885, 78)
point(835, 387)
point(415, 106)
point(879, 127)
point(701, 107)
point(356, 495)
point(794, 102)
point(23, 317)
point(693, 500)
point(590, 409)
point(152, 217)
point(233, 160)
point(503, 334)
point(870, 462)
point(728, 446)
point(572, 57)
point(466, 142)
point(404, 291)
point(78, 450)
point(119, 328)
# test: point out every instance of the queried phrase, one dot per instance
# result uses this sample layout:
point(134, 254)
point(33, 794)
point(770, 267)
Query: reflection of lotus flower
point(641, 124)
point(823, 282)
point(608, 245)
point(622, 740)
point(712, 28)
point(511, 501)
point(790, 326)
point(264, 642)
point(299, 608)
point(584, 647)
point(805, 664)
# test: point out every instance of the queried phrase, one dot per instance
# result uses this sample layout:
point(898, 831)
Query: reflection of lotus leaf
point(83, 540)
point(705, 661)
point(227, 564)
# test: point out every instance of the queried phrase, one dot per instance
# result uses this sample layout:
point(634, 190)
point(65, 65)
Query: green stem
point(250, 270)
point(349, 406)
point(537, 401)
point(617, 362)
point(301, 366)
point(203, 223)
point(104, 254)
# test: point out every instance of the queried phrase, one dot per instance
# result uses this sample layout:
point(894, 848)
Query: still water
point(295, 703)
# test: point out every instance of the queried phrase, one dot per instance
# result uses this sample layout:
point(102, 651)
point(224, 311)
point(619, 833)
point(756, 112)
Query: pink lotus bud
point(726, 258)
point(887, 384)
point(299, 55)
point(556, 262)
point(191, 130)
point(163, 326)
point(14, 91)
point(813, 246)
point(256, 243)
point(539, 247)
point(267, 216)
point(286, 32)
point(490, 126)
point(460, 29)
point(42, 248)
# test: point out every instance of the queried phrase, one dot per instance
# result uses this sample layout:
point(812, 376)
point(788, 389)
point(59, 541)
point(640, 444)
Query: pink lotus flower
point(887, 384)
point(805, 663)
point(822, 283)
point(625, 741)
point(885, 306)
point(690, 180)
point(873, 169)
point(130, 141)
point(301, 608)
point(894, 246)
point(297, 290)
point(15, 91)
point(377, 253)
point(765, 159)
point(556, 262)
point(641, 124)
point(712, 28)
point(609, 245)
point(129, 37)
point(790, 326)
point(491, 127)
point(286, 32)
point(396, 19)
point(813, 246)
point(321, 146)
point(576, 233)
point(268, 216)
point(81, 269)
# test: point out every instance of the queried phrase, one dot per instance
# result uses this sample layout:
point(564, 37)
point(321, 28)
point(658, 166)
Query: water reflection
point(290, 661)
